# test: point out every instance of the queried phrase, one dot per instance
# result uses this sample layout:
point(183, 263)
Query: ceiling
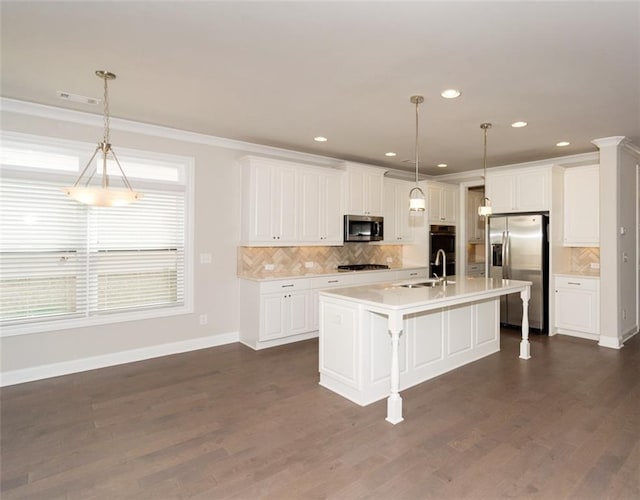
point(281, 73)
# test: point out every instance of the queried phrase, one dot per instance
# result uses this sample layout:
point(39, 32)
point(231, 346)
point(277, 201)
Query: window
point(64, 264)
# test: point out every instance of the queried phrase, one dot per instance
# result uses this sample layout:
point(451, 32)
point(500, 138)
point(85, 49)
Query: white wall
point(216, 287)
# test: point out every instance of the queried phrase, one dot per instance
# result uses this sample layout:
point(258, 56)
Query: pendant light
point(102, 194)
point(416, 195)
point(485, 208)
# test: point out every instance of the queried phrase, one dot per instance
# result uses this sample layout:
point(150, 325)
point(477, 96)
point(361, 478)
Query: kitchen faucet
point(444, 264)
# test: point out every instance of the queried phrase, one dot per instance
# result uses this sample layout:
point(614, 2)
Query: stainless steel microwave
point(363, 228)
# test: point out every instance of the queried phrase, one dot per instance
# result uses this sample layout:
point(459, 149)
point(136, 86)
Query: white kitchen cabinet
point(577, 306)
point(519, 190)
point(442, 203)
point(581, 206)
point(276, 312)
point(272, 311)
point(398, 219)
point(364, 191)
point(287, 204)
point(320, 207)
point(475, 223)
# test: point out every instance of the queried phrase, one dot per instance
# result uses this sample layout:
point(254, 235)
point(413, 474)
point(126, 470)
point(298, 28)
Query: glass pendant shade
point(100, 193)
point(485, 208)
point(417, 202)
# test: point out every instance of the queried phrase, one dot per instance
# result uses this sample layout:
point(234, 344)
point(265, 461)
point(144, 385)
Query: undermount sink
point(426, 284)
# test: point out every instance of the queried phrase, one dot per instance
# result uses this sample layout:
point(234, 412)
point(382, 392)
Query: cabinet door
point(297, 312)
point(331, 214)
point(390, 212)
point(576, 310)
point(310, 207)
point(261, 204)
point(500, 191)
point(533, 191)
point(581, 206)
point(405, 219)
point(373, 193)
point(449, 205)
point(285, 213)
point(434, 203)
point(355, 192)
point(271, 316)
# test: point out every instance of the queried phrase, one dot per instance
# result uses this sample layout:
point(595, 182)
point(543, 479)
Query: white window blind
point(61, 260)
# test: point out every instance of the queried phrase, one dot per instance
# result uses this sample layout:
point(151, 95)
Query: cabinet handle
point(333, 281)
point(573, 283)
point(413, 274)
point(287, 286)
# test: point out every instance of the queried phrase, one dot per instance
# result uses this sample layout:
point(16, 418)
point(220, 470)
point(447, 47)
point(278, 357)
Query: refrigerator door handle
point(507, 256)
point(504, 255)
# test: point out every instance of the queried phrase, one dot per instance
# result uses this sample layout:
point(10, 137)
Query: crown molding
point(93, 120)
point(608, 141)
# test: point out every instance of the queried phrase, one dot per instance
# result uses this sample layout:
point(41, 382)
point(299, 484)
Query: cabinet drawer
point(577, 282)
point(409, 274)
point(330, 281)
point(284, 285)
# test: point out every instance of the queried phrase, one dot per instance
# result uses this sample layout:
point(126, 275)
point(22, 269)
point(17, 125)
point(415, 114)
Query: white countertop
point(392, 296)
point(594, 274)
point(285, 276)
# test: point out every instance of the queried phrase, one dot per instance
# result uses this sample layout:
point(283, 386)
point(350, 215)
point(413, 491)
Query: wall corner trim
point(13, 377)
point(610, 342)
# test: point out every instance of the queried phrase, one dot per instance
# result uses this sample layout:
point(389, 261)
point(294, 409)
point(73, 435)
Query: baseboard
point(13, 377)
point(610, 342)
point(580, 335)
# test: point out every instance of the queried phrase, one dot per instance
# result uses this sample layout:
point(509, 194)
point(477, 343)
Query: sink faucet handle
point(436, 276)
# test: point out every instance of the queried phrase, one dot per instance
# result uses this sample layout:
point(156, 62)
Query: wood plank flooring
point(229, 422)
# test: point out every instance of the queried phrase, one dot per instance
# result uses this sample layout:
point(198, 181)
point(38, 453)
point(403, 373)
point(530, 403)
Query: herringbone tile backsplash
point(582, 257)
point(290, 261)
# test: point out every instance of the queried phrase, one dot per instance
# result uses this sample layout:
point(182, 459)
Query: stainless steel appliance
point(519, 250)
point(363, 228)
point(442, 238)
point(362, 267)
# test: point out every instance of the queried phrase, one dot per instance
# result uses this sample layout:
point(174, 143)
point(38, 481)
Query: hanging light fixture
point(102, 195)
point(485, 208)
point(416, 195)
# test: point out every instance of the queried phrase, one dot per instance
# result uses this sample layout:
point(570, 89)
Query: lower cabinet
point(476, 270)
point(577, 306)
point(277, 312)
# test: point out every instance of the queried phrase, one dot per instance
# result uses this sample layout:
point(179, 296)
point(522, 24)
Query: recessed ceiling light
point(390, 153)
point(519, 124)
point(562, 144)
point(320, 139)
point(442, 165)
point(450, 93)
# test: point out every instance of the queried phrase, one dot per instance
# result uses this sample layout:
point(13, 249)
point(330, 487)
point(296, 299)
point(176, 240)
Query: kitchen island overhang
point(379, 339)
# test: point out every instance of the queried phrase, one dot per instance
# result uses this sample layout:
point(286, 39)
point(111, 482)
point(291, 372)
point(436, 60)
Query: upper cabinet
point(442, 203)
point(581, 206)
point(364, 190)
point(288, 204)
point(519, 190)
point(398, 220)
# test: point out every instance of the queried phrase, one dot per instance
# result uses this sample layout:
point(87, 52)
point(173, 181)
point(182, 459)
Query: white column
point(394, 401)
point(525, 351)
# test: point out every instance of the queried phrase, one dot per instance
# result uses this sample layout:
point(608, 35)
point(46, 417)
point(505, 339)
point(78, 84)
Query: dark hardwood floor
point(229, 422)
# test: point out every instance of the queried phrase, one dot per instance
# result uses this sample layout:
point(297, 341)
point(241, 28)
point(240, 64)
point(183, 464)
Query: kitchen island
point(376, 340)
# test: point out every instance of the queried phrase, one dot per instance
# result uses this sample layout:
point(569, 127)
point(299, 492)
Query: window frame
point(84, 150)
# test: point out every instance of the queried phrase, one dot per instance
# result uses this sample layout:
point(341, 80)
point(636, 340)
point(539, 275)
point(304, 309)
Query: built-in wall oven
point(442, 237)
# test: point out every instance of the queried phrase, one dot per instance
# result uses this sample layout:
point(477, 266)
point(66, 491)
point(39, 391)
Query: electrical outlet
point(308, 265)
point(624, 314)
point(389, 260)
point(595, 265)
point(269, 267)
point(204, 319)
point(205, 258)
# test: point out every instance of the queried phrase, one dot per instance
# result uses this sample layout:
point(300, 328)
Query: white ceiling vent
point(67, 96)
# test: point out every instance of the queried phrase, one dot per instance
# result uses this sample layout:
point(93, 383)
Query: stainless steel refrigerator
point(519, 250)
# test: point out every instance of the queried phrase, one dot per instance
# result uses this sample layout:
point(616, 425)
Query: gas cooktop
point(361, 267)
